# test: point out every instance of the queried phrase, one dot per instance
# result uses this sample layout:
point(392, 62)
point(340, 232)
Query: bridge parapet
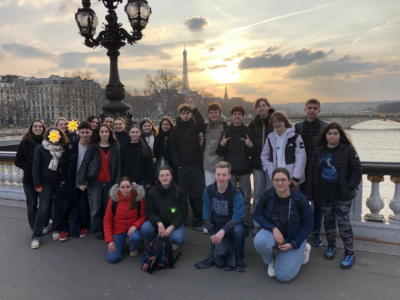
point(372, 226)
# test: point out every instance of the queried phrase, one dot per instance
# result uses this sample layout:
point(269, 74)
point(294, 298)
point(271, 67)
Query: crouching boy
point(223, 212)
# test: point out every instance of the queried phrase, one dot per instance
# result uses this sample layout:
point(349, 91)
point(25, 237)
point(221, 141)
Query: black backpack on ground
point(159, 255)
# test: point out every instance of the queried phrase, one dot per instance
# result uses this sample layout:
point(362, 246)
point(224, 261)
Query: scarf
point(38, 139)
point(146, 134)
point(55, 151)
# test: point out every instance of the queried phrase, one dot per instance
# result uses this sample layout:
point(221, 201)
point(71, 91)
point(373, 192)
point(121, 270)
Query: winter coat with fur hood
point(124, 217)
point(295, 155)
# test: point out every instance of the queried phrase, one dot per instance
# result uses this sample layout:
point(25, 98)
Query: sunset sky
point(287, 51)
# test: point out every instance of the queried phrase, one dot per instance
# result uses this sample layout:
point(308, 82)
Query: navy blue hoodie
point(226, 211)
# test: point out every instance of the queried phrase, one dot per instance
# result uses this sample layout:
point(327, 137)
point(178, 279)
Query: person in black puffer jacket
point(310, 129)
point(166, 209)
point(334, 175)
point(187, 156)
point(260, 128)
point(45, 181)
point(24, 161)
point(237, 146)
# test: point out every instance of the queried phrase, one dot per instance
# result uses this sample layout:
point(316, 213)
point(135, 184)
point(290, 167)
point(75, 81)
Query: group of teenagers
point(138, 183)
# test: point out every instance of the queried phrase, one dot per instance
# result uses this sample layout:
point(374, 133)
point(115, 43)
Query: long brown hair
point(344, 137)
point(63, 139)
point(29, 135)
point(96, 135)
point(147, 120)
point(134, 193)
point(165, 118)
point(146, 151)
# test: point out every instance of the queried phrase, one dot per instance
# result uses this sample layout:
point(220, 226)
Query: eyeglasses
point(37, 126)
point(283, 180)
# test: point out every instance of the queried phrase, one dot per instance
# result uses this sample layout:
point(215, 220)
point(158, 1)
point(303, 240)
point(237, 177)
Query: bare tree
point(201, 99)
point(143, 105)
point(165, 87)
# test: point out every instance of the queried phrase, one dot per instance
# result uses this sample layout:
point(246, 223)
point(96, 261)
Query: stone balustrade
point(373, 226)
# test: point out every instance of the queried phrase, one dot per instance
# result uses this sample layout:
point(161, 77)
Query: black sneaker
point(100, 237)
point(246, 231)
point(240, 265)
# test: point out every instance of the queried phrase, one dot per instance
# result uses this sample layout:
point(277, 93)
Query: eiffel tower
point(185, 77)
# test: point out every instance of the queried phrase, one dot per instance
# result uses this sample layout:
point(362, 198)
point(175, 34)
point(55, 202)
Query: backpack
point(159, 255)
point(115, 204)
point(299, 204)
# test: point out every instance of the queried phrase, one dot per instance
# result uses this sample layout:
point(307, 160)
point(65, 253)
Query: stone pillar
point(9, 173)
point(375, 202)
point(395, 201)
point(3, 180)
point(18, 174)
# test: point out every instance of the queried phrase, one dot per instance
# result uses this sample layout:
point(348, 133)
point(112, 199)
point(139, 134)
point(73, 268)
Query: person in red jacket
point(127, 219)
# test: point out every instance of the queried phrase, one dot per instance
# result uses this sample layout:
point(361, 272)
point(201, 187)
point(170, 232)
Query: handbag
point(93, 170)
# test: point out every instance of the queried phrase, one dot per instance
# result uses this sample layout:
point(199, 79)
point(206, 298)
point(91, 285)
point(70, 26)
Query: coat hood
point(138, 188)
point(220, 119)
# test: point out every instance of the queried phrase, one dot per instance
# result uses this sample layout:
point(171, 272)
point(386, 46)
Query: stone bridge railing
point(373, 226)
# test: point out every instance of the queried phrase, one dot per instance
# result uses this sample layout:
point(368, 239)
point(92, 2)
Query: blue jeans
point(238, 238)
point(99, 197)
point(318, 212)
point(287, 263)
point(119, 240)
point(150, 233)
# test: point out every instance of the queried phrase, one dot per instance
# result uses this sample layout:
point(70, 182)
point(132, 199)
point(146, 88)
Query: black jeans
point(31, 204)
point(191, 180)
point(67, 205)
point(45, 208)
point(99, 196)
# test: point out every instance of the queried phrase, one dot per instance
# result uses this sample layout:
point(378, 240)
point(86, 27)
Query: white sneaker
point(134, 252)
point(56, 236)
point(35, 244)
point(205, 231)
point(307, 253)
point(174, 247)
point(271, 268)
point(45, 231)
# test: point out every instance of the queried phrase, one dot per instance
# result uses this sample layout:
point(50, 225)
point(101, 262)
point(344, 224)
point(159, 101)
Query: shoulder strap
point(170, 253)
point(299, 204)
point(210, 190)
point(266, 197)
point(299, 127)
point(138, 207)
point(114, 207)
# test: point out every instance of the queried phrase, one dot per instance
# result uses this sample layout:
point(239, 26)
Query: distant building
point(185, 76)
point(226, 94)
point(26, 98)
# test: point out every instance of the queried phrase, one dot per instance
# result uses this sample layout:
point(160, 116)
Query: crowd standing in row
point(138, 182)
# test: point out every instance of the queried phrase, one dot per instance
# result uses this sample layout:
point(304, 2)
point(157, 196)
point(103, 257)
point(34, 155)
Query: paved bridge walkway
point(77, 269)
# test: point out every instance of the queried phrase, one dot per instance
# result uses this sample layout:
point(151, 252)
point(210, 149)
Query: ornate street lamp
point(112, 38)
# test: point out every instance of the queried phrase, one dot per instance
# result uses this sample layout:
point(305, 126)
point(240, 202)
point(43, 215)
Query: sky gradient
point(287, 51)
